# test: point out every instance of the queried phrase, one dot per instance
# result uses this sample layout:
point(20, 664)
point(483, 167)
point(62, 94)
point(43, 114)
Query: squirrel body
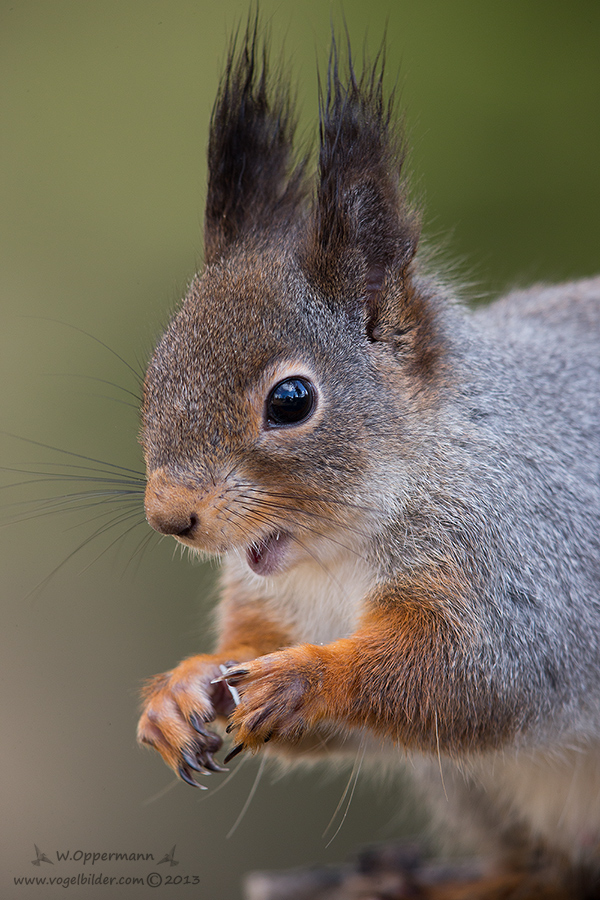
point(405, 494)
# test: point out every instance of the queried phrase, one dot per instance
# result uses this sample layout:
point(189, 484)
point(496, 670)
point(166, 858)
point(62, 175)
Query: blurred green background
point(104, 114)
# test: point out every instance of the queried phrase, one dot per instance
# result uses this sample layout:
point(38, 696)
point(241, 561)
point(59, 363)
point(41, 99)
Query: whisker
point(114, 384)
point(350, 787)
point(211, 792)
point(47, 469)
point(100, 462)
point(439, 757)
point(280, 521)
point(138, 375)
point(235, 524)
point(125, 489)
point(161, 793)
point(317, 515)
point(46, 580)
point(113, 542)
point(142, 548)
point(121, 517)
point(336, 501)
point(118, 400)
point(51, 506)
point(129, 511)
point(246, 805)
point(53, 477)
point(327, 521)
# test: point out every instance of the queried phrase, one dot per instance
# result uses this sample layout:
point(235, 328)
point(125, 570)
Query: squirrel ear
point(364, 229)
point(253, 181)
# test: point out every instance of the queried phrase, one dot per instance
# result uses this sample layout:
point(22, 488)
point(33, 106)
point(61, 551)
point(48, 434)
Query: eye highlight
point(290, 402)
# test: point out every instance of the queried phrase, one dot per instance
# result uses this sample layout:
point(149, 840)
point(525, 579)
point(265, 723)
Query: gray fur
point(448, 483)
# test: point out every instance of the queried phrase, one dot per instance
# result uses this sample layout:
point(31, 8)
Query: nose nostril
point(189, 529)
point(176, 525)
point(171, 507)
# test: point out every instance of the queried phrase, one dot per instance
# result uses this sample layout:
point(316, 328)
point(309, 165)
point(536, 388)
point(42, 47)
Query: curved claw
point(186, 776)
point(193, 761)
point(232, 676)
point(211, 740)
point(233, 753)
point(211, 765)
point(198, 723)
point(177, 711)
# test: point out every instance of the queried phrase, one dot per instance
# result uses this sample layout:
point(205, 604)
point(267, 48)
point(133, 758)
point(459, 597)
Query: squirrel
point(404, 493)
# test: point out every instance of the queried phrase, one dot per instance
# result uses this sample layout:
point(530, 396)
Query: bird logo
point(170, 858)
point(41, 857)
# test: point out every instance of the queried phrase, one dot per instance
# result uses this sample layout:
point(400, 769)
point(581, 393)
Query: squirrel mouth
point(266, 555)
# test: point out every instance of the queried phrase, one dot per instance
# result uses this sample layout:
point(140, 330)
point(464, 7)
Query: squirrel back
point(405, 494)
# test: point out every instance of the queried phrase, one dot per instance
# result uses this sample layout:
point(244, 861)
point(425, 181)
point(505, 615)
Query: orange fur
point(185, 695)
point(395, 675)
point(171, 504)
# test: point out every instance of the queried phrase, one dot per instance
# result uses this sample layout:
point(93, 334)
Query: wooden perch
point(398, 872)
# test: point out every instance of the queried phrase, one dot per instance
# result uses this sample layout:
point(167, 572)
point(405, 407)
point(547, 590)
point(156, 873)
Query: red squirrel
point(404, 493)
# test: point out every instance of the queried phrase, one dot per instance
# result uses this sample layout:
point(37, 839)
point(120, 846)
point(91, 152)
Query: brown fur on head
point(323, 288)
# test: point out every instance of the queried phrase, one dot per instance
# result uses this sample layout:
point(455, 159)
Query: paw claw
point(192, 760)
point(178, 709)
point(185, 774)
point(234, 676)
point(198, 723)
point(233, 753)
point(211, 741)
point(211, 765)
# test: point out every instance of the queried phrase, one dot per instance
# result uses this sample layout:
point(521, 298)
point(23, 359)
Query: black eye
point(290, 401)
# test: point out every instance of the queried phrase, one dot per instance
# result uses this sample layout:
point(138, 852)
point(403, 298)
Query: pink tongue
point(256, 554)
point(264, 557)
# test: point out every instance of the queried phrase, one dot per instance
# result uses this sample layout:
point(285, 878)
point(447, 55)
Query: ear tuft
point(363, 222)
point(254, 182)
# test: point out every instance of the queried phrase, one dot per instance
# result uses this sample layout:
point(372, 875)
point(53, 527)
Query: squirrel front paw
point(280, 698)
point(178, 705)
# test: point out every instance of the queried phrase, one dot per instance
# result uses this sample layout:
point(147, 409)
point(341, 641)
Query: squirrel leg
point(415, 671)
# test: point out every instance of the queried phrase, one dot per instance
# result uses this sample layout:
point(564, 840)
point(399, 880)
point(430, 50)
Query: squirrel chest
point(320, 602)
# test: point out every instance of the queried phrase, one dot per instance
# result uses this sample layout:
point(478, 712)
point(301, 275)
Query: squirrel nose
point(170, 507)
point(172, 524)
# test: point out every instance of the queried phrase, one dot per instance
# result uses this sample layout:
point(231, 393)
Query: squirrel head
point(274, 402)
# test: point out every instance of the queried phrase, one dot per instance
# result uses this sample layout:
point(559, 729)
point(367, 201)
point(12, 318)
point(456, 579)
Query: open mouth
point(267, 555)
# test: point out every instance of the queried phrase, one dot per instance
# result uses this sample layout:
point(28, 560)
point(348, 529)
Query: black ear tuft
point(253, 181)
point(362, 216)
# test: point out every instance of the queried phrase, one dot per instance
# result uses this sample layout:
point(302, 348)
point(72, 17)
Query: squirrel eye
point(291, 401)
